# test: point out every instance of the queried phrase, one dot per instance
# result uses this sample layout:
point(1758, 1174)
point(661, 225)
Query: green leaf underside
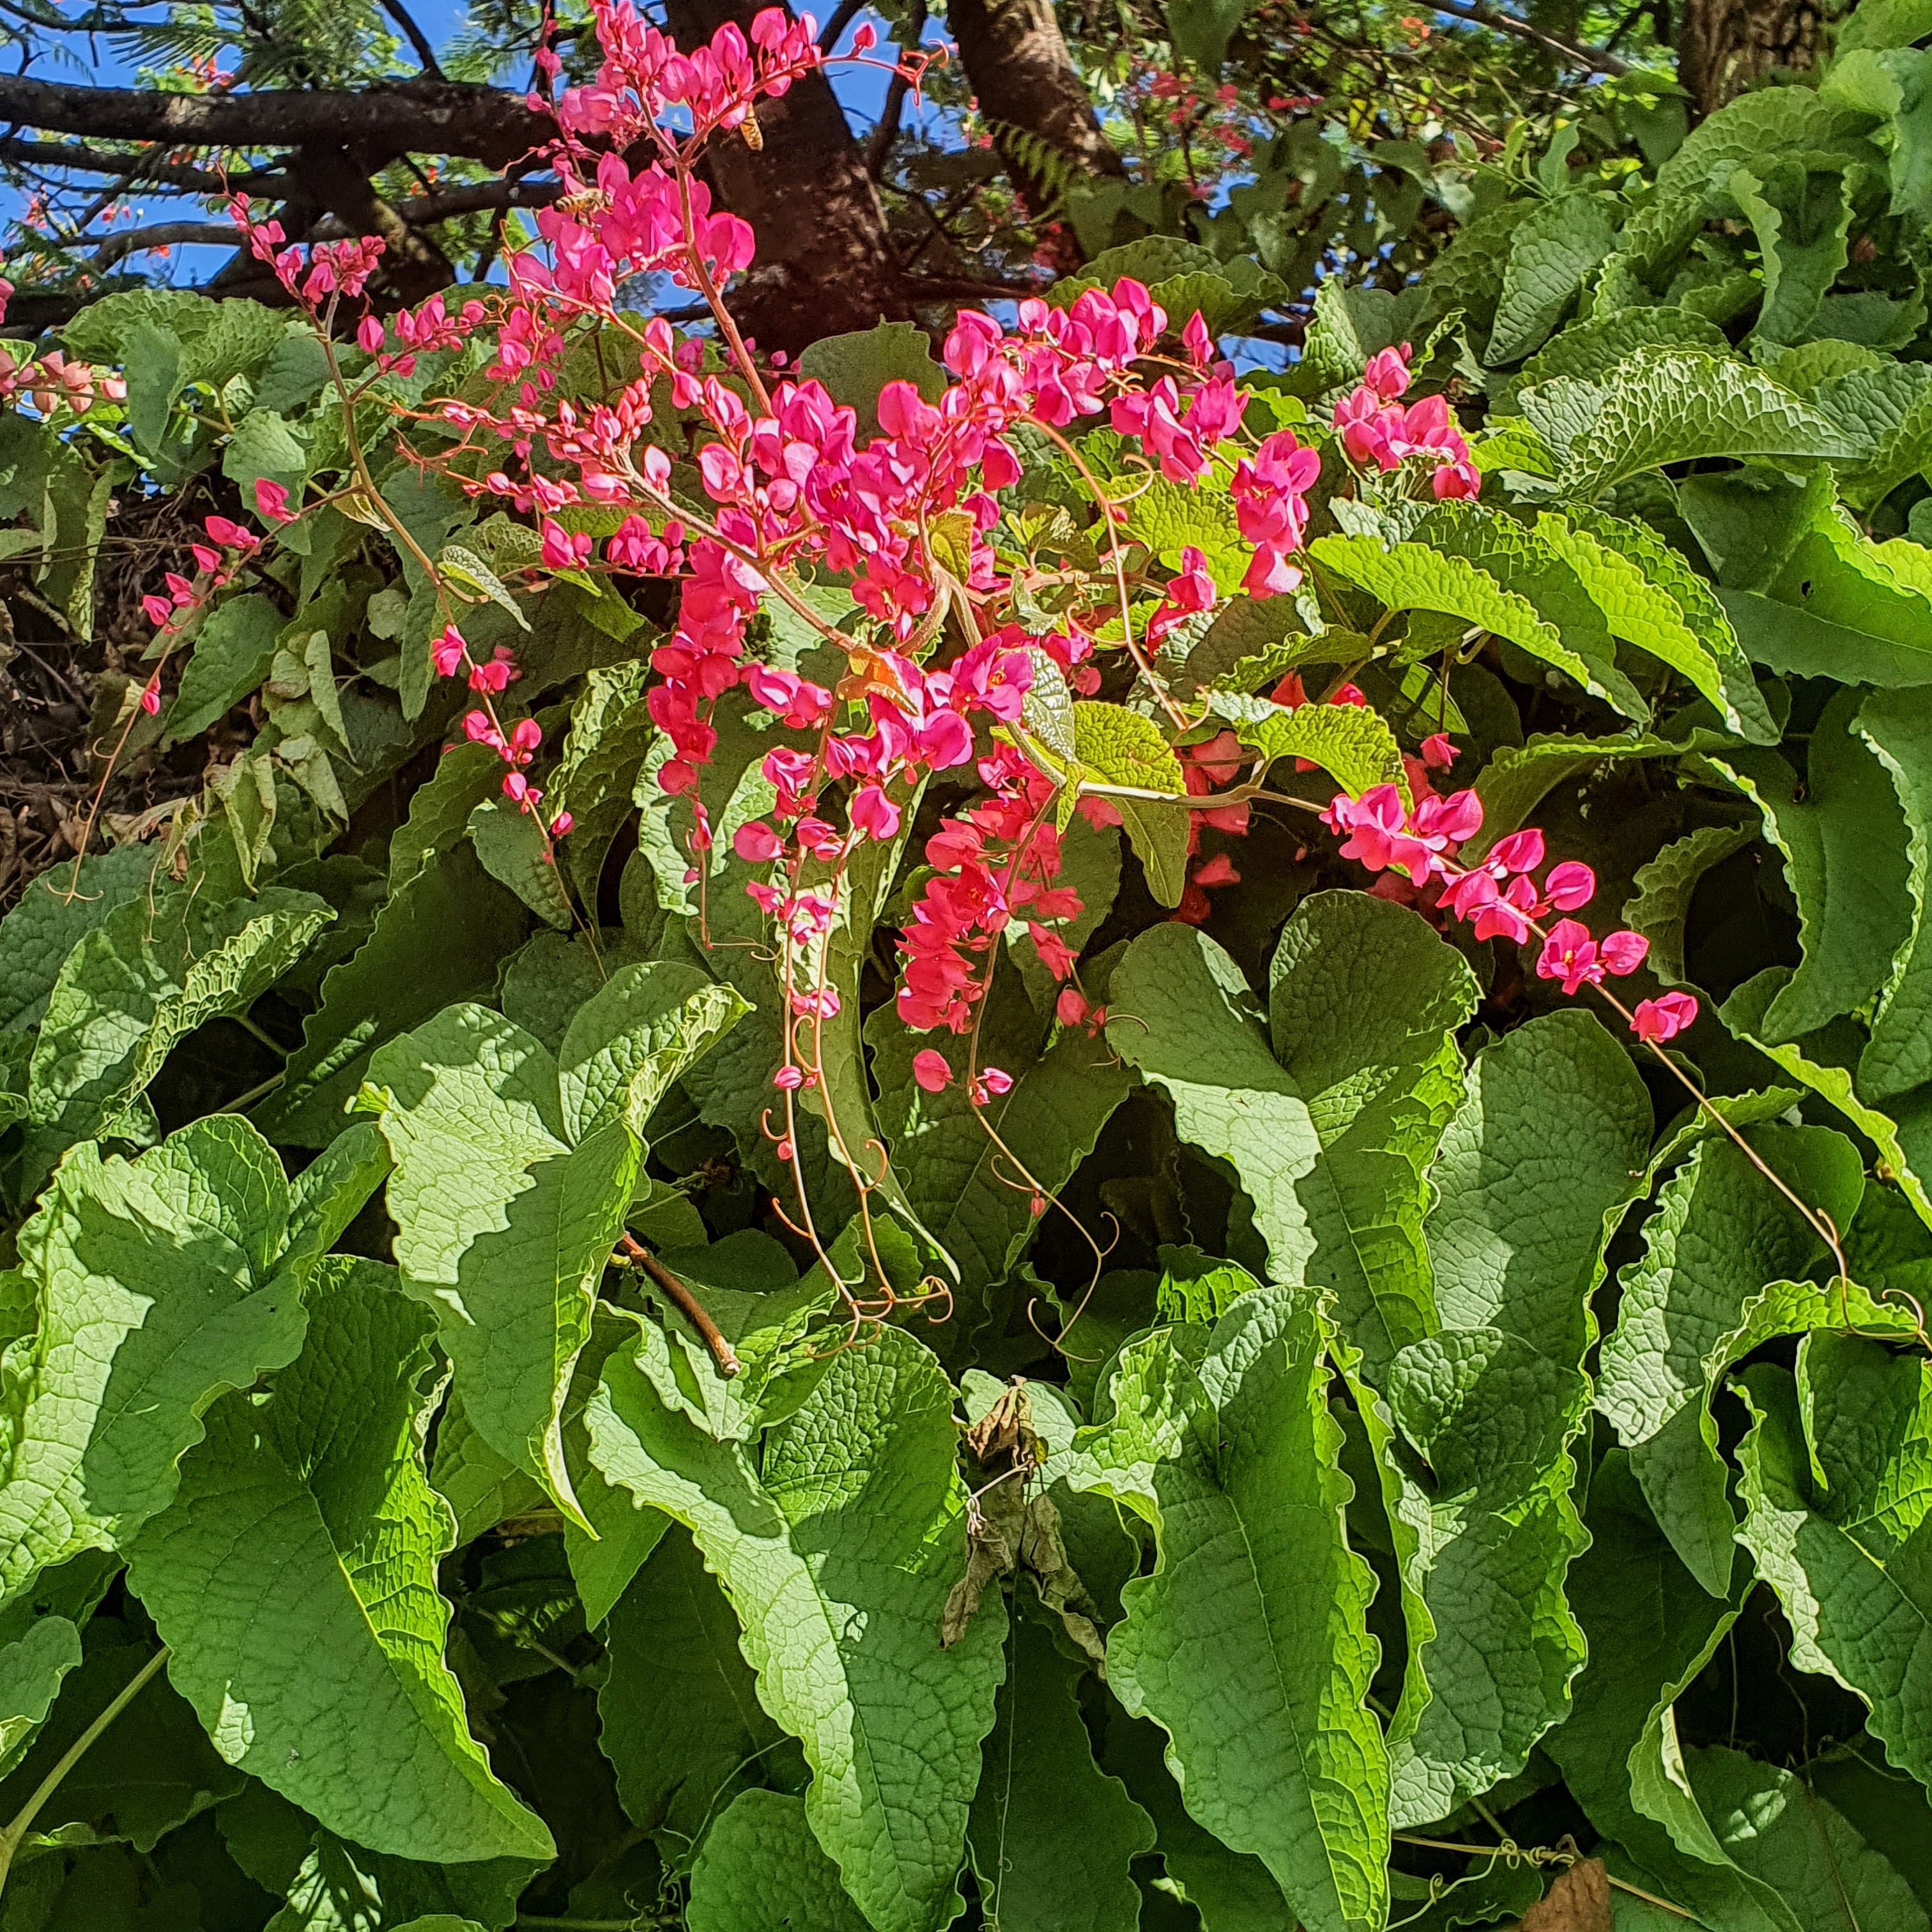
point(294, 1578)
point(838, 1559)
point(1848, 1557)
point(135, 1338)
point(1247, 1643)
point(503, 1229)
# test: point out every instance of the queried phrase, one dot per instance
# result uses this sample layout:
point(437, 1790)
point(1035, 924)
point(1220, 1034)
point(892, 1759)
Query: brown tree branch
point(1023, 77)
point(416, 210)
point(481, 124)
point(63, 155)
point(1591, 60)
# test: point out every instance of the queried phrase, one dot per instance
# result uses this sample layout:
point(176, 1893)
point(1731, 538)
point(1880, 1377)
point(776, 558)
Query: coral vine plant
point(948, 675)
point(1103, 1142)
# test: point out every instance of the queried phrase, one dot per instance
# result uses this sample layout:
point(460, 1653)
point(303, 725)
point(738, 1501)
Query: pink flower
point(1070, 1008)
point(996, 1081)
point(1438, 753)
point(1571, 955)
point(231, 535)
point(1570, 886)
point(1657, 1020)
point(158, 609)
point(369, 336)
point(447, 653)
point(1520, 852)
point(930, 1069)
point(498, 674)
point(271, 501)
point(873, 814)
point(1386, 375)
point(151, 695)
point(560, 825)
point(756, 843)
point(1218, 871)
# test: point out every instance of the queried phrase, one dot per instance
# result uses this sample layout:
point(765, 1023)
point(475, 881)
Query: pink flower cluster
point(994, 862)
point(1497, 894)
point(517, 747)
point(53, 380)
point(215, 569)
point(420, 331)
point(1376, 429)
point(334, 267)
point(644, 81)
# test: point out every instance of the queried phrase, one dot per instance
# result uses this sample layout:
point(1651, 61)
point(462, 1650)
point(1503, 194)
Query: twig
point(1591, 60)
point(878, 150)
point(23, 1820)
point(842, 17)
point(686, 1303)
point(419, 41)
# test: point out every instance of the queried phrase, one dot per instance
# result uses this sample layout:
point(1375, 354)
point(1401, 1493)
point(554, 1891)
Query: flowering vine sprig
point(704, 462)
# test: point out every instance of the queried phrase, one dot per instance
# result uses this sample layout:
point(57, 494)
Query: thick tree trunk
point(1023, 77)
point(824, 266)
point(1725, 46)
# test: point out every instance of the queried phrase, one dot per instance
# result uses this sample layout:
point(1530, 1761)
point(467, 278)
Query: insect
point(754, 135)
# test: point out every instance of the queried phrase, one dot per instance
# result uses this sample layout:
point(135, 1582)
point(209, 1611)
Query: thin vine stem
point(12, 1837)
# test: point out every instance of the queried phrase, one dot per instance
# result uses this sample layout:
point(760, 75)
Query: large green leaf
point(1364, 1001)
point(1518, 777)
point(1052, 1836)
point(1823, 1061)
point(1836, 606)
point(159, 1771)
point(679, 1714)
point(1802, 216)
point(761, 1869)
point(838, 1558)
point(1662, 405)
point(1332, 1139)
point(1536, 1170)
point(1835, 1514)
point(1772, 1825)
point(145, 976)
point(1721, 1237)
point(233, 650)
point(294, 1578)
point(1651, 1628)
point(32, 1668)
point(1660, 908)
point(502, 1227)
point(438, 938)
point(1416, 577)
point(1650, 597)
point(158, 1288)
point(1891, 405)
point(632, 1039)
point(1247, 1643)
point(1550, 254)
point(1231, 1891)
point(1844, 847)
point(1897, 726)
point(54, 913)
point(1349, 741)
point(1493, 1417)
